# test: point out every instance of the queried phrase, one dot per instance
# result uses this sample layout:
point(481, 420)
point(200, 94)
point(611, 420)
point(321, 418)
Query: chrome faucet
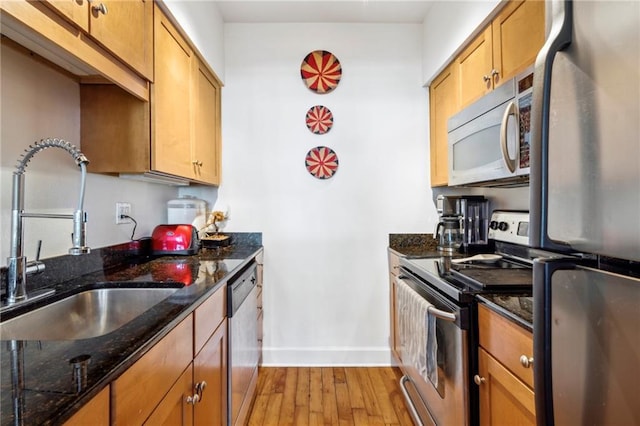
point(17, 266)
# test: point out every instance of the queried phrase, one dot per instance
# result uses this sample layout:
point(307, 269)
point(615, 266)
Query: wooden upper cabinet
point(518, 36)
point(207, 147)
point(126, 29)
point(76, 11)
point(502, 50)
point(177, 133)
point(171, 108)
point(474, 66)
point(443, 103)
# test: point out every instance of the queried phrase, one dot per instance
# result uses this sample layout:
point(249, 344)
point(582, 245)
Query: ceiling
point(341, 11)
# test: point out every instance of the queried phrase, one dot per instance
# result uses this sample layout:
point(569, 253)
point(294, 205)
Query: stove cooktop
point(463, 281)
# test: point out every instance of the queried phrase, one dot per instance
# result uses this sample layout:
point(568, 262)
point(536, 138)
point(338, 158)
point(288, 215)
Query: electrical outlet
point(123, 209)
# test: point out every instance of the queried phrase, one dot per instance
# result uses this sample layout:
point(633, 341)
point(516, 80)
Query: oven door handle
point(438, 313)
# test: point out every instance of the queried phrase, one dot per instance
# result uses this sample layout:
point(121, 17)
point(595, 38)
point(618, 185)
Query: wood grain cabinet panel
point(137, 392)
point(443, 99)
point(504, 400)
point(505, 374)
point(210, 368)
point(76, 11)
point(94, 412)
point(502, 50)
point(175, 409)
point(394, 338)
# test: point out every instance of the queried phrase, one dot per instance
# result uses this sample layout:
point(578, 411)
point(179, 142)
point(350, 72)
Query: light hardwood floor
point(329, 396)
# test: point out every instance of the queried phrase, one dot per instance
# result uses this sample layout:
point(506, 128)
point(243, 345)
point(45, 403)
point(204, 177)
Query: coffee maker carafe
point(472, 213)
point(449, 233)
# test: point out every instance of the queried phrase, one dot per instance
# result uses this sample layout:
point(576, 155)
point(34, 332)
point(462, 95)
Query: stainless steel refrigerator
point(585, 206)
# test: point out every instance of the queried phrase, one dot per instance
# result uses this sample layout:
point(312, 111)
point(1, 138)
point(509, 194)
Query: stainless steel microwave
point(489, 140)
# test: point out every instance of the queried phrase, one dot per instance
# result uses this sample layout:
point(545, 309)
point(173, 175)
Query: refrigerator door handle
point(543, 269)
point(560, 36)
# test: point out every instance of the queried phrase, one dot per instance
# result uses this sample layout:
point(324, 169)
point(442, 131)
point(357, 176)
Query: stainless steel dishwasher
point(242, 309)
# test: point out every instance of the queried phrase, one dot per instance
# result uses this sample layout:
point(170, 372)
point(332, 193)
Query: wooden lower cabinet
point(139, 390)
point(504, 399)
point(394, 339)
point(95, 412)
point(176, 408)
point(210, 368)
point(171, 386)
point(505, 373)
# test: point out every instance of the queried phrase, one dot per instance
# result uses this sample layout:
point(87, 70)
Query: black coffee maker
point(470, 214)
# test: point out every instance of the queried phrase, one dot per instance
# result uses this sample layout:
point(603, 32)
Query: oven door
point(442, 394)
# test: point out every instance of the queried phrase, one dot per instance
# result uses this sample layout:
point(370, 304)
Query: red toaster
point(174, 240)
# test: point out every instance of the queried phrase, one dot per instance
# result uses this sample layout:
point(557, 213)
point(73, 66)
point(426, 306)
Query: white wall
point(326, 275)
point(445, 29)
point(38, 102)
point(202, 21)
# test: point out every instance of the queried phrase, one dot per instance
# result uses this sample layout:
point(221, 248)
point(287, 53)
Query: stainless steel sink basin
point(91, 313)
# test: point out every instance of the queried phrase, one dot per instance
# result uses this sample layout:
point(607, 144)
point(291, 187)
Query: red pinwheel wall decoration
point(321, 71)
point(319, 119)
point(321, 162)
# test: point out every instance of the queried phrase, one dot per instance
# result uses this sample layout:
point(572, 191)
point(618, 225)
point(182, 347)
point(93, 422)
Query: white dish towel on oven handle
point(432, 349)
point(417, 333)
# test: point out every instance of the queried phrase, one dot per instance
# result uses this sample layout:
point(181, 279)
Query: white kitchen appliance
point(185, 210)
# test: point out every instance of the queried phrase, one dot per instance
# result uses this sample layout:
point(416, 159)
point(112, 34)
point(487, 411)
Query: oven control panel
point(510, 227)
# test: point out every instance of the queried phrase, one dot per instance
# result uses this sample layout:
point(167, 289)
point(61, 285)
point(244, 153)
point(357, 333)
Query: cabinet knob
point(486, 78)
point(193, 400)
point(479, 380)
point(525, 361)
point(200, 389)
point(496, 76)
point(101, 8)
point(197, 163)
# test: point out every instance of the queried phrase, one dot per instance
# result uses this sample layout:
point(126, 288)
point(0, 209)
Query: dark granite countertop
point(48, 394)
point(414, 245)
point(517, 308)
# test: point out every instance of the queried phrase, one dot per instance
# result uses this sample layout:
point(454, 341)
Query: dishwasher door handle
point(438, 313)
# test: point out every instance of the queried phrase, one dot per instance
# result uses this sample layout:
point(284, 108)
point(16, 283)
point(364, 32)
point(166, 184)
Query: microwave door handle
point(560, 36)
point(511, 110)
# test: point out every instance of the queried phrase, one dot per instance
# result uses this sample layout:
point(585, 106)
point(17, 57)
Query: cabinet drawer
point(138, 391)
point(208, 316)
point(507, 342)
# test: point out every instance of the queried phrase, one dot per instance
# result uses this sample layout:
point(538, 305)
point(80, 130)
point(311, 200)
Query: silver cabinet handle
point(447, 316)
point(525, 361)
point(479, 380)
point(486, 78)
point(200, 390)
point(512, 109)
point(197, 163)
point(193, 400)
point(101, 8)
point(495, 75)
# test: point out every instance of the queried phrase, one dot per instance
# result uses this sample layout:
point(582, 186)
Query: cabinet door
point(207, 132)
point(518, 35)
point(126, 29)
point(95, 412)
point(171, 100)
point(475, 64)
point(395, 334)
point(443, 103)
point(175, 409)
point(210, 367)
point(137, 392)
point(76, 11)
point(504, 400)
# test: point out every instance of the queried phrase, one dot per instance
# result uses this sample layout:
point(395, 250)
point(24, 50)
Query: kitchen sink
point(88, 314)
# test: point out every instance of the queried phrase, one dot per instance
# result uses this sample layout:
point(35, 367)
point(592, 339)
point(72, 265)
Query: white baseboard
point(327, 357)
